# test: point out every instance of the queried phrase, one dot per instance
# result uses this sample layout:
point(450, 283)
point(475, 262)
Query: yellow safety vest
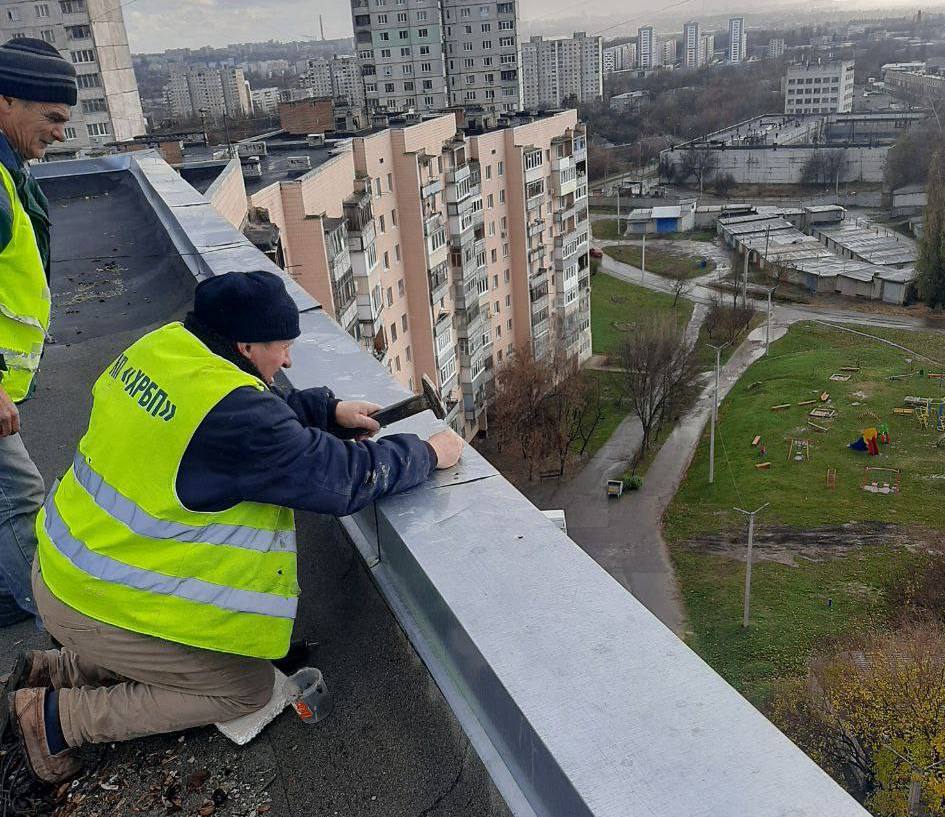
point(24, 300)
point(115, 542)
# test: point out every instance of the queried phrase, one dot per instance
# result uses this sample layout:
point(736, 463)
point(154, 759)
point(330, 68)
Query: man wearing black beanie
point(37, 90)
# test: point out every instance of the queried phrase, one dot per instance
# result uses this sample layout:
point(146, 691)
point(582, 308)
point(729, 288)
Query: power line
point(633, 19)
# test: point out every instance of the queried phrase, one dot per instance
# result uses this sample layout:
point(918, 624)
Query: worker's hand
point(9, 416)
point(354, 414)
point(448, 446)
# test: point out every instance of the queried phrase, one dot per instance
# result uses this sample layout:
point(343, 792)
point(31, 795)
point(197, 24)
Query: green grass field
point(613, 412)
point(790, 617)
point(661, 262)
point(605, 229)
point(632, 302)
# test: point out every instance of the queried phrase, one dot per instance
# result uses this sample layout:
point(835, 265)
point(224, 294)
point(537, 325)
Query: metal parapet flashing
point(578, 700)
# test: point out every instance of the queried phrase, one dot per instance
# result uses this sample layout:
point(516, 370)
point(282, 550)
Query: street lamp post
point(768, 321)
point(643, 255)
point(715, 410)
point(751, 537)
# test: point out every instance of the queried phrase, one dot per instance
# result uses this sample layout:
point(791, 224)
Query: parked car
point(596, 253)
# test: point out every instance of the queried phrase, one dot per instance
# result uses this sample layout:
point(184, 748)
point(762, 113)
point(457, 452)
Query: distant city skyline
point(159, 25)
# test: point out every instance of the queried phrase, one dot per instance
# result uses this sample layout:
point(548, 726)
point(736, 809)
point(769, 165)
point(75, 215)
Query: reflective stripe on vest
point(142, 523)
point(117, 544)
point(111, 570)
point(24, 299)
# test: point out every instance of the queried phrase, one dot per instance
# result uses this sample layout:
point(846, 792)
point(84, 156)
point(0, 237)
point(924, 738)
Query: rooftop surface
point(539, 670)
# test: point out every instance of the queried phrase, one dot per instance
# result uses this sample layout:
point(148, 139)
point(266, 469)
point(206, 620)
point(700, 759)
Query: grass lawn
point(789, 612)
point(615, 302)
point(605, 229)
point(707, 355)
point(613, 413)
point(660, 261)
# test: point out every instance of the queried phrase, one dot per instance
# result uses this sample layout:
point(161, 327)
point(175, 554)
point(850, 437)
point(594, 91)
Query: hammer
point(429, 398)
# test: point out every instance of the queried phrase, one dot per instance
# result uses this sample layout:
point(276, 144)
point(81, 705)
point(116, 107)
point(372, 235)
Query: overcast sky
point(156, 25)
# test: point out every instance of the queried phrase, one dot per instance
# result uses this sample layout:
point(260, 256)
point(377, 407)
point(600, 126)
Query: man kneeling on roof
point(167, 558)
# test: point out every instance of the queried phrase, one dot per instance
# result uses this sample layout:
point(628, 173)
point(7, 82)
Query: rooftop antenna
point(321, 25)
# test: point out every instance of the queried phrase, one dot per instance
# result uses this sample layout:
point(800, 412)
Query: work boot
point(26, 718)
point(30, 671)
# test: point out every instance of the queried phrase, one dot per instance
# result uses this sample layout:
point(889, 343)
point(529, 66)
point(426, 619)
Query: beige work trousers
point(116, 684)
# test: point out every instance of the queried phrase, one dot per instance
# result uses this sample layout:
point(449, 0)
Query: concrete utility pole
point(618, 212)
point(715, 410)
point(751, 538)
point(919, 774)
point(745, 280)
point(768, 322)
point(643, 256)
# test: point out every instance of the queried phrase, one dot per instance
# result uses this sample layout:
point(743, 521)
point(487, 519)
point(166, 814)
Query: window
point(467, 29)
point(494, 256)
point(71, 6)
point(406, 69)
point(428, 101)
point(393, 330)
point(486, 27)
point(393, 213)
point(464, 12)
point(487, 45)
point(42, 10)
point(85, 55)
point(505, 42)
point(402, 17)
point(362, 19)
point(490, 78)
point(506, 25)
point(13, 15)
point(448, 370)
point(407, 354)
point(505, 8)
point(70, 134)
point(78, 32)
point(502, 201)
point(483, 11)
point(385, 53)
point(94, 105)
point(470, 79)
point(425, 51)
point(400, 284)
point(382, 18)
point(380, 219)
point(403, 318)
point(421, 16)
point(469, 62)
point(507, 59)
point(408, 86)
point(365, 55)
point(388, 87)
point(426, 67)
point(404, 52)
point(390, 294)
point(384, 35)
point(404, 35)
point(97, 128)
point(467, 46)
point(470, 95)
point(89, 81)
point(533, 159)
point(428, 85)
point(397, 363)
point(501, 169)
point(421, 32)
point(48, 35)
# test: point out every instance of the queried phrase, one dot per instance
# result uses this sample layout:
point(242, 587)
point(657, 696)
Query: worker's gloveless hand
point(354, 414)
point(9, 416)
point(448, 446)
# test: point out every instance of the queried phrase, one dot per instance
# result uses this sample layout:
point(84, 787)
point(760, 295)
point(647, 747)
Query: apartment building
point(692, 45)
point(92, 34)
point(668, 52)
point(776, 48)
point(400, 52)
point(265, 100)
point(441, 250)
point(561, 68)
point(482, 55)
point(649, 52)
point(819, 88)
point(737, 40)
point(619, 57)
point(707, 47)
point(198, 90)
point(338, 77)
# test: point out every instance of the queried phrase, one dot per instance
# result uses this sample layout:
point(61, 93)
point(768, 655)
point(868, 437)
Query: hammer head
point(428, 399)
point(435, 402)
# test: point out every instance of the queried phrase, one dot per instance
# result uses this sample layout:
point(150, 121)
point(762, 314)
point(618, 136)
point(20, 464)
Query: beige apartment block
point(444, 250)
point(91, 34)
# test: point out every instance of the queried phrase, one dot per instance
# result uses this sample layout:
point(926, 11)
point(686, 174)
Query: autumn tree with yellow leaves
point(873, 716)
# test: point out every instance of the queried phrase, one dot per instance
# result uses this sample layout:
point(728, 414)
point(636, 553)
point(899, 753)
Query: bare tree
point(660, 376)
point(682, 286)
point(700, 162)
point(724, 324)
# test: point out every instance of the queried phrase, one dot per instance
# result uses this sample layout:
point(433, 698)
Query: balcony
point(457, 584)
point(536, 227)
point(535, 202)
point(439, 281)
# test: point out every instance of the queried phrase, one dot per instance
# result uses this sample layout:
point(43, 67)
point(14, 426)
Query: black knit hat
point(35, 71)
point(247, 307)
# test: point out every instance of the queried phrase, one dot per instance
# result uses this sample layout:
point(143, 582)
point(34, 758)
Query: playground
point(843, 524)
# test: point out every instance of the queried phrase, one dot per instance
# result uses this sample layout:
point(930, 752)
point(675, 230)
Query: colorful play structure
point(869, 441)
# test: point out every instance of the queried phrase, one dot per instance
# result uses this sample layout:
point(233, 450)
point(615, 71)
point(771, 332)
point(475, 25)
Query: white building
point(561, 67)
point(819, 88)
point(400, 51)
point(265, 100)
point(692, 45)
point(648, 50)
point(668, 52)
point(90, 33)
point(621, 57)
point(338, 77)
point(196, 90)
point(737, 40)
point(776, 48)
point(707, 48)
point(482, 54)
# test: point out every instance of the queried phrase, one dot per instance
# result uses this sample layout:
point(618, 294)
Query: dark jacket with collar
point(31, 197)
point(285, 449)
